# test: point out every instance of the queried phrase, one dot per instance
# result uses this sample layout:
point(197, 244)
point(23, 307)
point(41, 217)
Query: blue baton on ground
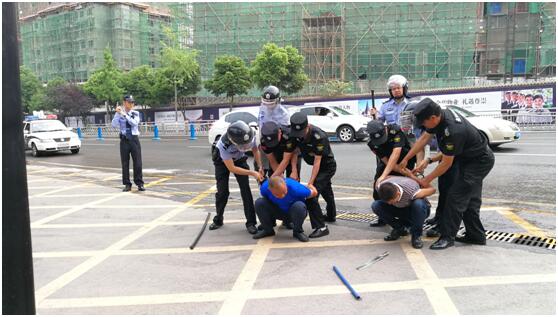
point(355, 294)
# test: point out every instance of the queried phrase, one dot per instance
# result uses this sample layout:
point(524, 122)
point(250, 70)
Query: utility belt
point(123, 137)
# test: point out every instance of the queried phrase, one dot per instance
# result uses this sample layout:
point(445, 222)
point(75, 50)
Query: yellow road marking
point(122, 224)
point(437, 295)
point(531, 229)
point(66, 278)
point(177, 298)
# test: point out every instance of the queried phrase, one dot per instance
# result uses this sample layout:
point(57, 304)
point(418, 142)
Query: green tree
point(49, 92)
point(336, 88)
point(180, 71)
point(230, 77)
point(105, 83)
point(140, 83)
point(70, 100)
point(32, 90)
point(281, 67)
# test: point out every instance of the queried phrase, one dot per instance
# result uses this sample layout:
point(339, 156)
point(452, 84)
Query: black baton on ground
point(201, 232)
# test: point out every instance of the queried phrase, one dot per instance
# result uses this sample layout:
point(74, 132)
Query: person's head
point(271, 134)
point(522, 98)
point(508, 95)
point(515, 96)
point(427, 113)
point(271, 97)
point(397, 86)
point(377, 132)
point(241, 135)
point(277, 186)
point(389, 193)
point(538, 100)
point(529, 100)
point(129, 102)
point(299, 125)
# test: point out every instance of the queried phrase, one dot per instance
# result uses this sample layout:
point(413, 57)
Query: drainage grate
point(515, 238)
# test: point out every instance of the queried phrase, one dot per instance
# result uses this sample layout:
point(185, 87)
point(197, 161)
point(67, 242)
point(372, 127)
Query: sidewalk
point(98, 250)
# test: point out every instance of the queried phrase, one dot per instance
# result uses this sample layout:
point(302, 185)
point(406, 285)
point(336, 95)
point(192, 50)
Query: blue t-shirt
point(295, 192)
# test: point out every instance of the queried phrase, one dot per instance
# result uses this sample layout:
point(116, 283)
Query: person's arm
point(418, 146)
point(444, 165)
point(284, 163)
point(116, 120)
point(134, 122)
point(294, 167)
point(272, 161)
point(315, 169)
point(258, 159)
point(425, 192)
point(424, 163)
point(391, 164)
point(313, 191)
point(241, 171)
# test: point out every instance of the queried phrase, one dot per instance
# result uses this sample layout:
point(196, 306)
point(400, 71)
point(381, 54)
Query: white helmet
point(399, 81)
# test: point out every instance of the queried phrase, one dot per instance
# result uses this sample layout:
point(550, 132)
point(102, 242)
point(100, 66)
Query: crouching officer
point(314, 146)
point(460, 143)
point(229, 157)
point(127, 121)
point(273, 143)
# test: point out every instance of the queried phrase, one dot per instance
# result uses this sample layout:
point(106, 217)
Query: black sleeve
point(266, 149)
point(320, 147)
point(399, 139)
point(291, 145)
point(452, 145)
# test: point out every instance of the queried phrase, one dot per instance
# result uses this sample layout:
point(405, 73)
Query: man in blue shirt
point(127, 121)
point(283, 199)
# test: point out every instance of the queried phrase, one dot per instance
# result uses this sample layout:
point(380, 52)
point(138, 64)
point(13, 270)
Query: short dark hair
point(387, 191)
point(528, 95)
point(537, 97)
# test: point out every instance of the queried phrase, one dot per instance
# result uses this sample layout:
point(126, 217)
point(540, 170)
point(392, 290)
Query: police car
point(49, 136)
point(335, 121)
point(497, 131)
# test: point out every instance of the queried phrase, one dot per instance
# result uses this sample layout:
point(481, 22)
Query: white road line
point(524, 154)
point(110, 206)
point(200, 146)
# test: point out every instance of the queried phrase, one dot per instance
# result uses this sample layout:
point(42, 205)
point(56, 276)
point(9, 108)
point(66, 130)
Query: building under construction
point(67, 39)
point(434, 45)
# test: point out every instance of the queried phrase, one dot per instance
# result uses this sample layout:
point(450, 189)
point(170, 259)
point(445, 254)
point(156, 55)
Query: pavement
point(98, 250)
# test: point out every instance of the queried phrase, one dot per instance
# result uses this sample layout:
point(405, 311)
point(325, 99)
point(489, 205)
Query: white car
point(498, 131)
point(49, 136)
point(219, 127)
point(335, 121)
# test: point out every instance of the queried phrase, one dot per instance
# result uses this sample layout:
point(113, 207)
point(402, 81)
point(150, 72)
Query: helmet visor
point(270, 103)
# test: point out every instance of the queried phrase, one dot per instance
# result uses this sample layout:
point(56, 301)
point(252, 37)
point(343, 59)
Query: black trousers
point(323, 186)
point(445, 182)
point(381, 166)
point(222, 195)
point(464, 198)
point(131, 147)
point(268, 212)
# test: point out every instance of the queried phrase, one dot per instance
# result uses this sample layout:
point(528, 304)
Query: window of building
point(90, 43)
point(522, 7)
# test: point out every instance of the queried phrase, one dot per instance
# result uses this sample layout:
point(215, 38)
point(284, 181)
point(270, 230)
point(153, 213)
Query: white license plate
point(63, 145)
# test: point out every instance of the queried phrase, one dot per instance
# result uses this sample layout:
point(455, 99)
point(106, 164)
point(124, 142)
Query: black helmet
point(400, 81)
point(239, 133)
point(271, 96)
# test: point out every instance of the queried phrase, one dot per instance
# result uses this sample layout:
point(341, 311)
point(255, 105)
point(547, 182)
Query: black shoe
point(379, 223)
point(260, 226)
point(433, 233)
point(320, 232)
point(330, 219)
point(394, 234)
point(215, 226)
point(300, 236)
point(431, 221)
point(416, 242)
point(465, 239)
point(263, 234)
point(141, 188)
point(252, 229)
point(442, 243)
point(127, 188)
point(288, 225)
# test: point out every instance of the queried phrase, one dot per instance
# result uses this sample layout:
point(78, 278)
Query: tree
point(180, 71)
point(70, 100)
point(51, 85)
point(32, 91)
point(140, 83)
point(278, 66)
point(105, 83)
point(336, 88)
point(230, 77)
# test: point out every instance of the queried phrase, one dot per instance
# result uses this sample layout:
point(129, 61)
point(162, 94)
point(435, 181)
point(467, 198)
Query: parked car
point(219, 127)
point(498, 131)
point(335, 121)
point(49, 136)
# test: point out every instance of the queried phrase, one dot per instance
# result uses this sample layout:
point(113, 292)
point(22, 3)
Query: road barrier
point(201, 128)
point(80, 136)
point(100, 134)
point(156, 133)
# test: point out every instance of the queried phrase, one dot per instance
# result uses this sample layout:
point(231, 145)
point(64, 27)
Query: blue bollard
point(99, 134)
point(80, 136)
point(156, 133)
point(192, 132)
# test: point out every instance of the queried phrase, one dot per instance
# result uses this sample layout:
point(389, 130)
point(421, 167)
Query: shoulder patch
point(446, 132)
point(397, 139)
point(449, 147)
point(320, 147)
point(392, 131)
point(317, 136)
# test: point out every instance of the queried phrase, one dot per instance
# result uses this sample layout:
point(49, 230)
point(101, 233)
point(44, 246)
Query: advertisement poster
point(167, 116)
point(365, 105)
point(474, 102)
point(528, 106)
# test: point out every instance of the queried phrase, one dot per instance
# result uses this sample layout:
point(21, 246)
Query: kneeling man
point(283, 199)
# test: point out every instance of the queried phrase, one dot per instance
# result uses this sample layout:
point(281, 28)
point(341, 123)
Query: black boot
point(442, 243)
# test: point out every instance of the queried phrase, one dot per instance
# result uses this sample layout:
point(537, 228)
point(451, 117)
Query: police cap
point(129, 98)
point(377, 132)
point(425, 109)
point(269, 138)
point(299, 122)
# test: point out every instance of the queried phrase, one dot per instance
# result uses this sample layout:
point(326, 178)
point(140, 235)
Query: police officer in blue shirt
point(229, 156)
point(283, 199)
point(127, 121)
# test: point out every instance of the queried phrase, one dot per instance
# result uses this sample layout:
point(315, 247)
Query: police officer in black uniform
point(273, 142)
point(314, 146)
point(463, 144)
point(229, 157)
